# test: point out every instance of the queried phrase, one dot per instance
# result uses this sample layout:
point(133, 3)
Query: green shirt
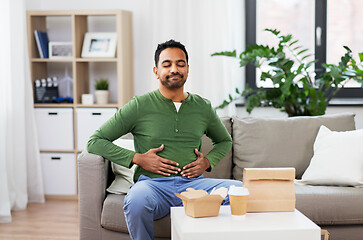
point(153, 120)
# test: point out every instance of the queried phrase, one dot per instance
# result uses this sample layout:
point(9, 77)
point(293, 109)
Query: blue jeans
point(150, 199)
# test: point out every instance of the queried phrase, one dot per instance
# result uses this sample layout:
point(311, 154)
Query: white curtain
point(20, 168)
point(204, 27)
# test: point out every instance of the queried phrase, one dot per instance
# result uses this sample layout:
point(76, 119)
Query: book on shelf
point(42, 41)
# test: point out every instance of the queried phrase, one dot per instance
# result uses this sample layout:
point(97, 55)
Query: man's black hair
point(168, 44)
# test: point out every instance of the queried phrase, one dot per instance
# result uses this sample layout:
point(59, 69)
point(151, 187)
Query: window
point(344, 29)
point(321, 26)
point(278, 14)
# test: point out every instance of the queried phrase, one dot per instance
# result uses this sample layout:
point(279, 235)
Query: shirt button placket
point(176, 123)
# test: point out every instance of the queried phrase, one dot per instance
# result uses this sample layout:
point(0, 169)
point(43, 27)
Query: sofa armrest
point(92, 180)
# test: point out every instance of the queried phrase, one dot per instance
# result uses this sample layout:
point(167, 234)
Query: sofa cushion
point(113, 218)
point(286, 142)
point(123, 175)
point(224, 167)
point(329, 205)
point(337, 160)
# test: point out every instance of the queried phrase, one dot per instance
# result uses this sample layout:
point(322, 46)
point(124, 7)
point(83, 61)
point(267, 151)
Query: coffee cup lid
point(238, 191)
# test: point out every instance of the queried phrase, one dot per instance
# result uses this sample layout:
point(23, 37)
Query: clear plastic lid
point(238, 191)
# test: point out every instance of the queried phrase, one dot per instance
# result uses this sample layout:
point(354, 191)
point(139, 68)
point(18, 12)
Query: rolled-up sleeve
point(222, 141)
point(121, 123)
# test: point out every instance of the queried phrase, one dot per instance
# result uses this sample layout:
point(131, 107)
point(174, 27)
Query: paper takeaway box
point(271, 189)
point(198, 203)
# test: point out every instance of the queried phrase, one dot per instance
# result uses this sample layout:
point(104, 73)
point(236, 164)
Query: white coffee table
point(256, 226)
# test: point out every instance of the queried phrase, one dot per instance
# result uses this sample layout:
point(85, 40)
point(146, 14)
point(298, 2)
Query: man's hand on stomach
point(150, 161)
point(196, 168)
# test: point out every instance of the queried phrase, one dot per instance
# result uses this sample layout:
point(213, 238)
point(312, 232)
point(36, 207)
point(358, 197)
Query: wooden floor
point(54, 219)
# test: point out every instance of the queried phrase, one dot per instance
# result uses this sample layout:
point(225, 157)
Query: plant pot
point(102, 96)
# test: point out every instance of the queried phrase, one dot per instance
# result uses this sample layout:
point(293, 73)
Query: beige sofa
point(256, 143)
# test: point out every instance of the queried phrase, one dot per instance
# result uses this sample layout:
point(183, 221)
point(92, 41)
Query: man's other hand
point(196, 168)
point(150, 161)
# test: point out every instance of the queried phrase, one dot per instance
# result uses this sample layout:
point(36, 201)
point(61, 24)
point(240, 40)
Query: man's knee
point(139, 198)
point(228, 182)
point(237, 183)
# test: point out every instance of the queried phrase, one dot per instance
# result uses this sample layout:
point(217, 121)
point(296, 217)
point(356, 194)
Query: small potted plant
point(102, 93)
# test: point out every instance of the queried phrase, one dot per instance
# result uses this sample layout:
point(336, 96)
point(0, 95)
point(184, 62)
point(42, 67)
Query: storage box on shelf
point(58, 133)
point(60, 175)
point(89, 119)
point(55, 128)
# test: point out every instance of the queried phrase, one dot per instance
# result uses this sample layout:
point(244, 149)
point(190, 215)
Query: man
point(167, 125)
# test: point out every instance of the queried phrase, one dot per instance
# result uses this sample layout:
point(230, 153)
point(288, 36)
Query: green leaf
point(101, 84)
point(298, 71)
point(287, 66)
point(347, 48)
point(244, 62)
point(360, 56)
point(302, 51)
point(310, 63)
point(286, 38)
point(273, 93)
point(309, 55)
point(226, 53)
point(344, 60)
point(273, 31)
point(341, 64)
point(293, 43)
point(276, 79)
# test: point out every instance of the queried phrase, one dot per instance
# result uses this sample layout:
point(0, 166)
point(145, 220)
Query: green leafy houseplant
point(294, 89)
point(101, 84)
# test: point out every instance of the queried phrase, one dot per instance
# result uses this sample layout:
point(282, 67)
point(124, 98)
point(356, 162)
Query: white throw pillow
point(337, 160)
point(123, 175)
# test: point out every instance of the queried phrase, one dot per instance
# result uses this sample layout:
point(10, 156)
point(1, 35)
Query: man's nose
point(174, 69)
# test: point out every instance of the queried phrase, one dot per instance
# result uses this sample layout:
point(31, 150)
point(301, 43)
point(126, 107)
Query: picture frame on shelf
point(60, 50)
point(99, 44)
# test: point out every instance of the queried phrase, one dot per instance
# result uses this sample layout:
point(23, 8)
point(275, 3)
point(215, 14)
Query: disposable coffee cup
point(238, 197)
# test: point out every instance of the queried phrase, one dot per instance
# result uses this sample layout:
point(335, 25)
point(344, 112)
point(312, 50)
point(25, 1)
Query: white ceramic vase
point(102, 96)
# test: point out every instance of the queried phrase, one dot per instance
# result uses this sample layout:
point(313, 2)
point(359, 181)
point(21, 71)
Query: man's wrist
point(208, 163)
point(136, 159)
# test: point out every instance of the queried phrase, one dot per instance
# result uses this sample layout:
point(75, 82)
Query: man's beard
point(173, 84)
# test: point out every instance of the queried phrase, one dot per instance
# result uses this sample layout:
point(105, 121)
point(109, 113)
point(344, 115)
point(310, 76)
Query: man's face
point(172, 69)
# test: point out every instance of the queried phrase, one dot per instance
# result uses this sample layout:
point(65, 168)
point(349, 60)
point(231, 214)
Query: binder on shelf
point(42, 41)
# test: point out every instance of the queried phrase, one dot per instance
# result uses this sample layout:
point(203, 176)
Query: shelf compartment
point(53, 25)
point(87, 72)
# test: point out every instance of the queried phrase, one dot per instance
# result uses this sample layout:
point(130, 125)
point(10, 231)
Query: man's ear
point(155, 70)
